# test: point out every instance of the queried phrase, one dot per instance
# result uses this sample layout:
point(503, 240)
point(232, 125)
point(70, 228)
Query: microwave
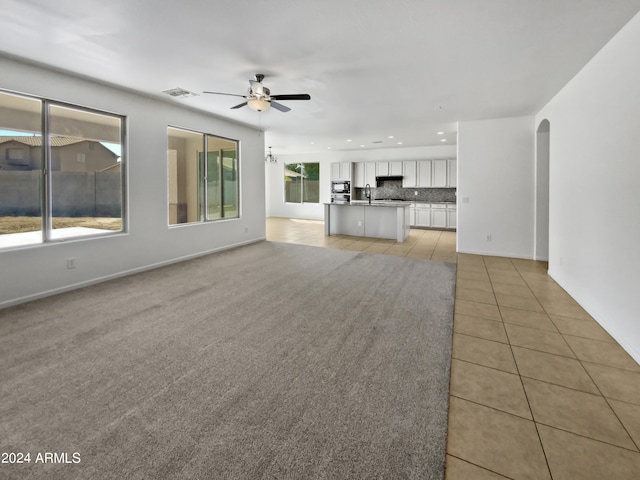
point(340, 187)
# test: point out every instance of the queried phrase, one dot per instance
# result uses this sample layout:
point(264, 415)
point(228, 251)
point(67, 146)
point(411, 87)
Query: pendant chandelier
point(270, 157)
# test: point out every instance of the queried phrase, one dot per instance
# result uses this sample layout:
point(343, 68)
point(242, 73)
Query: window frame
point(202, 181)
point(302, 185)
point(45, 171)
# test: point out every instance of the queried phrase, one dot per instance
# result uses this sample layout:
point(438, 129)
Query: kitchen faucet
point(367, 192)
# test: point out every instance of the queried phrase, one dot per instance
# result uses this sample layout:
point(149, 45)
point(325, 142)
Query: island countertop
point(374, 203)
point(390, 203)
point(386, 220)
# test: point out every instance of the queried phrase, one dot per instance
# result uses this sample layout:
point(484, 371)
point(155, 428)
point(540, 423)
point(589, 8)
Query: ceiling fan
point(259, 97)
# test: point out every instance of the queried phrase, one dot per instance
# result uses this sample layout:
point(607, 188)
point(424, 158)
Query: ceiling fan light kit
point(258, 104)
point(259, 97)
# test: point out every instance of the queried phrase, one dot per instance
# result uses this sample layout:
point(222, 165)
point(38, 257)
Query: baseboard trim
point(124, 273)
point(604, 323)
point(495, 254)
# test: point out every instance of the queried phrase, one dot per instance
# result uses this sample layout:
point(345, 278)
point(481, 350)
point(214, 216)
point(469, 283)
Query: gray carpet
point(270, 361)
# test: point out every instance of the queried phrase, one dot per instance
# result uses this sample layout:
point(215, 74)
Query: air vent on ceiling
point(180, 92)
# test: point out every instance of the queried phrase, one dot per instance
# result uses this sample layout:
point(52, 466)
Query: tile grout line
point(591, 378)
point(456, 257)
point(534, 378)
point(480, 466)
point(526, 396)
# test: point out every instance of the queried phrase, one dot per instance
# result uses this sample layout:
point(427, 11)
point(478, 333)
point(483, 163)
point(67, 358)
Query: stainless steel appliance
point(340, 191)
point(342, 186)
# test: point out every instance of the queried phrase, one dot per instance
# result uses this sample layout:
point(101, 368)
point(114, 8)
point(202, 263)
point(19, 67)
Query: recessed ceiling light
point(390, 136)
point(313, 143)
point(362, 145)
point(440, 133)
point(328, 148)
point(443, 139)
point(349, 140)
point(399, 143)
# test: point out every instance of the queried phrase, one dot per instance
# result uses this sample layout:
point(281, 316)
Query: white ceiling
point(373, 68)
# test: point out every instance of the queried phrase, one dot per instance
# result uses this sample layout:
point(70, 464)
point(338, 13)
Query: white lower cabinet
point(452, 216)
point(438, 216)
point(433, 215)
point(423, 215)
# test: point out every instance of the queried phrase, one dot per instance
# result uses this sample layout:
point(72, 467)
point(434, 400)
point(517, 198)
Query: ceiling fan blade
point(229, 94)
point(297, 96)
point(239, 105)
point(279, 106)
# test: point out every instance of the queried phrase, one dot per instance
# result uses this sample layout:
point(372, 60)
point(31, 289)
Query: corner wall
point(41, 270)
point(594, 235)
point(496, 187)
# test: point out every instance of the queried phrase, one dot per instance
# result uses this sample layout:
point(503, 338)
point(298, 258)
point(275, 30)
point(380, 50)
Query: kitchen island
point(363, 219)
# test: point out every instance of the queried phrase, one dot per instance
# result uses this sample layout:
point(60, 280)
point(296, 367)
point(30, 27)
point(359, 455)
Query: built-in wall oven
point(340, 191)
point(343, 186)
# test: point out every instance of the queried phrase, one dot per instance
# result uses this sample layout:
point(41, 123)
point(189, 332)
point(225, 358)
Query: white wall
point(40, 270)
point(594, 236)
point(274, 173)
point(276, 207)
point(496, 187)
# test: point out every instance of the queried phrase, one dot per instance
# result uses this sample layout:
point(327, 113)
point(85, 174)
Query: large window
point(61, 171)
point(302, 183)
point(201, 187)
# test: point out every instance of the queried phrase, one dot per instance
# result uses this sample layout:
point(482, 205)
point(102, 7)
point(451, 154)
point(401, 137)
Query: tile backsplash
point(392, 189)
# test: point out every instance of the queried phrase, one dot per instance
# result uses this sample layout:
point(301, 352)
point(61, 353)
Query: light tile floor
point(538, 389)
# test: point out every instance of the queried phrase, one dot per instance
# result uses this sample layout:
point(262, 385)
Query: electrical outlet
point(359, 223)
point(489, 238)
point(71, 263)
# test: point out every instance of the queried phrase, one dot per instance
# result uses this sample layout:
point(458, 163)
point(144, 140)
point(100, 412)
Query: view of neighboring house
point(68, 154)
point(86, 177)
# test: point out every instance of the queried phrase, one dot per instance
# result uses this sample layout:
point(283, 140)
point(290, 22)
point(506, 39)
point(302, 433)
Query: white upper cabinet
point(345, 170)
point(340, 170)
point(364, 173)
point(416, 174)
point(423, 168)
point(358, 174)
point(382, 169)
point(335, 170)
point(395, 168)
point(370, 174)
point(452, 172)
point(439, 173)
point(409, 177)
